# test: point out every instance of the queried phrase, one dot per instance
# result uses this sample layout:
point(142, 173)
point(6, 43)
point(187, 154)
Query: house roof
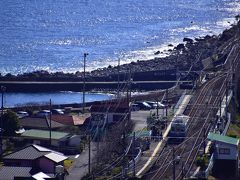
point(141, 134)
point(8, 172)
point(28, 153)
point(40, 176)
point(113, 106)
point(43, 134)
point(33, 152)
point(70, 120)
point(56, 157)
point(39, 123)
point(221, 138)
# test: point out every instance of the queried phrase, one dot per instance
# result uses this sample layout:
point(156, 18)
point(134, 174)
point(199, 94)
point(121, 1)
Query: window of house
point(224, 151)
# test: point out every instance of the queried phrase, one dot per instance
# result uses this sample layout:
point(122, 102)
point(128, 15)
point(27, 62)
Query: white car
point(43, 113)
point(57, 111)
point(22, 114)
point(155, 105)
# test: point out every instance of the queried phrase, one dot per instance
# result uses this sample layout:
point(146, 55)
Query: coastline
point(189, 53)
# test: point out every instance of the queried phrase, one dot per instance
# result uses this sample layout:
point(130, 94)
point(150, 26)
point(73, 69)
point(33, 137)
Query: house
point(226, 156)
point(72, 120)
point(11, 172)
point(42, 137)
point(39, 123)
point(39, 158)
point(62, 141)
point(108, 112)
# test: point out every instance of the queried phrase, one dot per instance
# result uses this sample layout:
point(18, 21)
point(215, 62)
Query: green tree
point(10, 123)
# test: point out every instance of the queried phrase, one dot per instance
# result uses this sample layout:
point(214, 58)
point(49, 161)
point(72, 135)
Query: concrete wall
point(46, 165)
point(232, 149)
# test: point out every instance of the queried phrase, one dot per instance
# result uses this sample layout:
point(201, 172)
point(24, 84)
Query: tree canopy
point(10, 123)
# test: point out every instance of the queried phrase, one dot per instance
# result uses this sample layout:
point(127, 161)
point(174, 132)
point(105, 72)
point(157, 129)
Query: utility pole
point(89, 154)
point(118, 88)
point(133, 153)
point(84, 79)
point(204, 142)
point(173, 160)
point(157, 109)
point(129, 93)
point(226, 107)
point(50, 123)
point(167, 102)
point(220, 110)
point(3, 89)
point(182, 173)
point(124, 157)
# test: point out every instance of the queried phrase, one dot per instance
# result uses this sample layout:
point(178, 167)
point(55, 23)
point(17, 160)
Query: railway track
point(189, 149)
point(164, 170)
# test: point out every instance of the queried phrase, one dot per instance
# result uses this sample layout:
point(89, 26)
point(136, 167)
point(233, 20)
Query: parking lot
point(140, 117)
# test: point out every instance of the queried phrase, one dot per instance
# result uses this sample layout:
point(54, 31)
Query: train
point(178, 129)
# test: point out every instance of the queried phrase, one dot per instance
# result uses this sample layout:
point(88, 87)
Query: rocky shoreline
point(189, 53)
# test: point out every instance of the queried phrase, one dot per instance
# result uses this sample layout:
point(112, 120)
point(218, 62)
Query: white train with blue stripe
point(178, 129)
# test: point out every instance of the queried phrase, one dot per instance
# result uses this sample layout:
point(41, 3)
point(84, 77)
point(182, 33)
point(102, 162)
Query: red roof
point(71, 119)
point(114, 106)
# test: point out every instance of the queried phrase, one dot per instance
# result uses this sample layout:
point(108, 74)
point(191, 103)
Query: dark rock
point(199, 39)
point(180, 47)
point(189, 40)
point(156, 53)
point(207, 37)
point(170, 45)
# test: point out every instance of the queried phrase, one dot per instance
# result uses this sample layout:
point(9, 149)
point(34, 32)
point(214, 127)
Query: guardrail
point(136, 159)
point(210, 166)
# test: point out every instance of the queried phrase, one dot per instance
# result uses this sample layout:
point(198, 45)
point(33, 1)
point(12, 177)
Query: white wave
point(192, 28)
point(234, 7)
point(226, 22)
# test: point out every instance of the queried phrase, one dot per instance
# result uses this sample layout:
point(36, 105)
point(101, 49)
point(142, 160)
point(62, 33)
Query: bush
point(201, 161)
point(116, 171)
point(232, 135)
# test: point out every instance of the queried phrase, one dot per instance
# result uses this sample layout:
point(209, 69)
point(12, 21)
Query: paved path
point(80, 164)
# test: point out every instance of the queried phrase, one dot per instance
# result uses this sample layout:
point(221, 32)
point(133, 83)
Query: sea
point(19, 99)
point(53, 35)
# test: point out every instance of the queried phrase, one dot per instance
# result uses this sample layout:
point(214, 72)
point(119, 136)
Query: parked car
point(57, 111)
point(155, 105)
point(135, 107)
point(22, 114)
point(43, 113)
point(143, 105)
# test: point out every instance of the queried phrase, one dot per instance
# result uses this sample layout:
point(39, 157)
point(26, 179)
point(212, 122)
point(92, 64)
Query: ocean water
point(65, 97)
point(52, 35)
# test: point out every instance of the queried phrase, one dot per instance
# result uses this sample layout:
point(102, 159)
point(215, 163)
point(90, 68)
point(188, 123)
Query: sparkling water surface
point(53, 35)
point(22, 99)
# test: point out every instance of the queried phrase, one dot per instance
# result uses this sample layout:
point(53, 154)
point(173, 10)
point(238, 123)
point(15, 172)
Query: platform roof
point(224, 139)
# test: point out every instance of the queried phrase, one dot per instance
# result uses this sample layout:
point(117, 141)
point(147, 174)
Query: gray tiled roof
point(28, 153)
point(8, 173)
point(38, 123)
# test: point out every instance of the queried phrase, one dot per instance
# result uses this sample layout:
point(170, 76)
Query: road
point(80, 164)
